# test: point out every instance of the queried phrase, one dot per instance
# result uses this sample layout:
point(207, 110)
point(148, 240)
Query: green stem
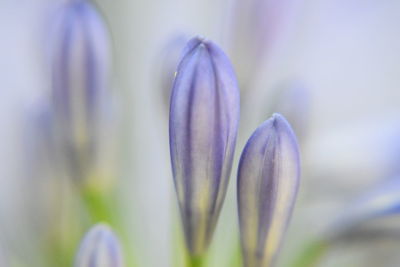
point(311, 255)
point(101, 207)
point(237, 256)
point(59, 243)
point(196, 261)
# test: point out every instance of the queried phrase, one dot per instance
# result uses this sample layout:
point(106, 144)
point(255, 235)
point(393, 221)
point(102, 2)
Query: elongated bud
point(80, 71)
point(99, 248)
point(268, 181)
point(204, 118)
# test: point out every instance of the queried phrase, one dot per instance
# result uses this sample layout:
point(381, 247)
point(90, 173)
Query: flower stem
point(237, 256)
point(101, 207)
point(311, 255)
point(196, 261)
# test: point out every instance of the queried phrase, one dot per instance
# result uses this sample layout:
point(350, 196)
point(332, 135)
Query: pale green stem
point(101, 208)
point(237, 256)
point(196, 261)
point(311, 254)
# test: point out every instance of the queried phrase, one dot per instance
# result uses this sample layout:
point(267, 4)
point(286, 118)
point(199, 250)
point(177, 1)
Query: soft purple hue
point(80, 63)
point(204, 117)
point(382, 200)
point(80, 56)
point(268, 181)
point(99, 248)
point(257, 26)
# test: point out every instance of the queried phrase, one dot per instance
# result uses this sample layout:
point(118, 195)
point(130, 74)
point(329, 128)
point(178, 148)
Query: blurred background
point(331, 67)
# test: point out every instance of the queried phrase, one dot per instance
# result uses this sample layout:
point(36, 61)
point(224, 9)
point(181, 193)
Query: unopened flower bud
point(204, 118)
point(268, 181)
point(99, 248)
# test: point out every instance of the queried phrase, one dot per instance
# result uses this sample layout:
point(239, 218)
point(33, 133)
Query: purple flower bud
point(99, 248)
point(268, 181)
point(80, 75)
point(204, 118)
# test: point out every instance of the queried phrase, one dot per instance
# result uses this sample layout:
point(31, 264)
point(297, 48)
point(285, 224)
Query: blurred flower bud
point(204, 117)
point(268, 181)
point(257, 26)
point(99, 248)
point(80, 77)
point(383, 200)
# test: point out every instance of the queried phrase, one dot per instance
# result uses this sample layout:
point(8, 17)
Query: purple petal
point(268, 181)
point(80, 58)
point(99, 248)
point(204, 118)
point(80, 77)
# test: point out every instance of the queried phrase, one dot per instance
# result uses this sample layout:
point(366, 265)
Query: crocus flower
point(80, 76)
point(99, 248)
point(268, 181)
point(204, 117)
